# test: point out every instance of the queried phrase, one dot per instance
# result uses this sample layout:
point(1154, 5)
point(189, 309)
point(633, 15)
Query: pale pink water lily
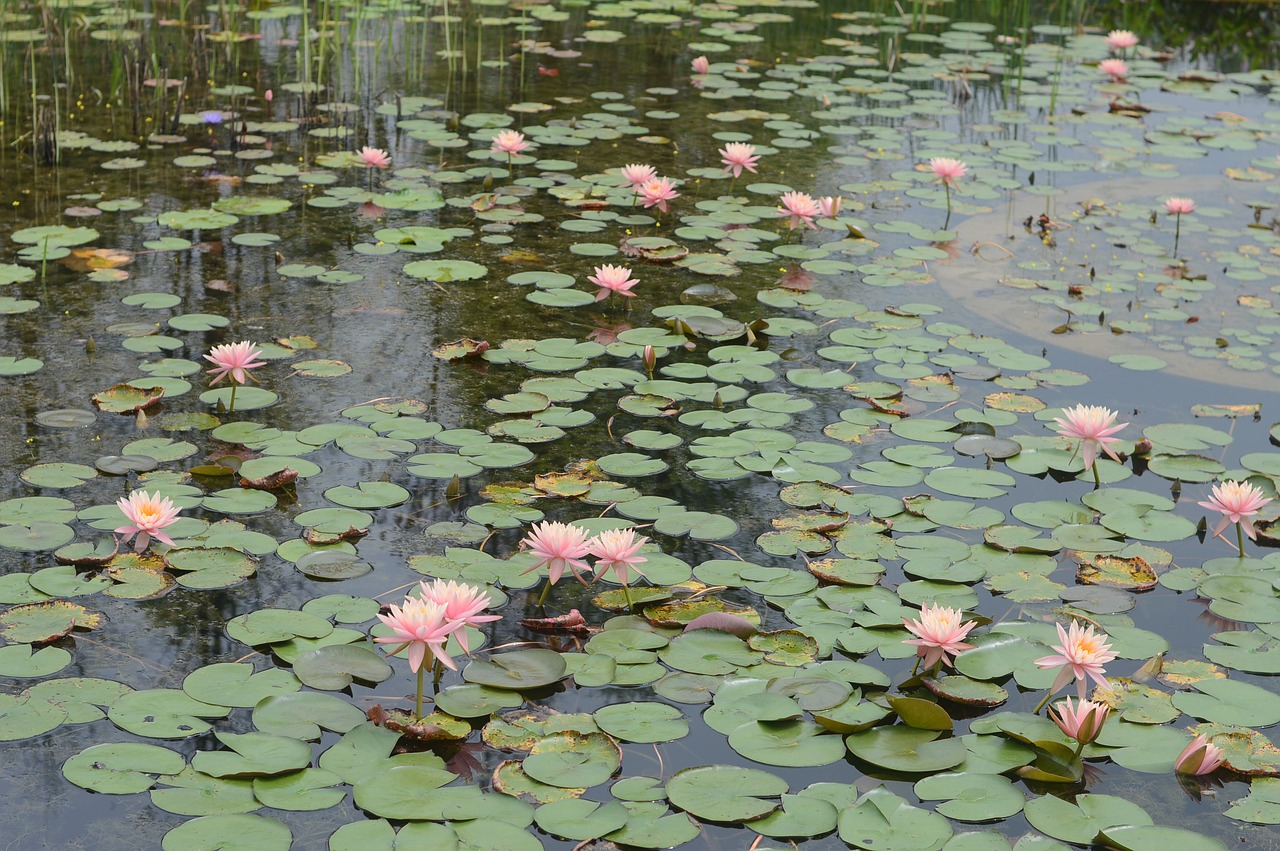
point(701, 65)
point(657, 192)
point(509, 142)
point(948, 170)
point(737, 156)
point(1238, 502)
point(940, 634)
point(1083, 721)
point(1081, 656)
point(1116, 69)
point(462, 603)
point(147, 515)
point(373, 157)
point(422, 626)
point(637, 174)
point(234, 360)
point(1093, 426)
point(616, 550)
point(829, 206)
point(800, 207)
point(613, 280)
point(1121, 40)
point(1179, 206)
point(269, 96)
point(1198, 758)
point(558, 546)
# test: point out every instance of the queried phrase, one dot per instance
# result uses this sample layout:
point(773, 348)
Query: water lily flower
point(800, 207)
point(1198, 758)
point(649, 357)
point(1092, 425)
point(147, 515)
point(212, 116)
point(422, 626)
point(829, 206)
point(269, 96)
point(509, 142)
point(1121, 40)
point(558, 546)
point(1082, 722)
point(1116, 69)
point(616, 550)
point(234, 360)
point(657, 192)
point(1081, 656)
point(701, 65)
point(637, 175)
point(613, 280)
point(1238, 501)
point(373, 157)
point(939, 634)
point(462, 603)
point(1179, 206)
point(948, 170)
point(737, 156)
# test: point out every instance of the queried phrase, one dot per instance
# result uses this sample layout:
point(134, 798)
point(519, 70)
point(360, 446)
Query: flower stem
point(231, 406)
point(626, 592)
point(1177, 232)
point(947, 188)
point(1240, 537)
point(1097, 477)
point(417, 705)
point(1079, 749)
point(1041, 704)
point(916, 666)
point(542, 598)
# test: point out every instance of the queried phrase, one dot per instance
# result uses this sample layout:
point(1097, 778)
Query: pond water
point(843, 423)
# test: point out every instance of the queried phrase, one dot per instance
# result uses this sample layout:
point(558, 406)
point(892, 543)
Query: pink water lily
point(509, 142)
point(1093, 426)
point(234, 360)
point(1238, 502)
point(637, 174)
point(1121, 40)
point(800, 208)
point(373, 157)
point(613, 280)
point(1179, 206)
point(1083, 721)
point(701, 65)
point(940, 634)
point(1200, 757)
point(558, 546)
point(948, 170)
point(462, 603)
point(1116, 69)
point(1081, 656)
point(422, 626)
point(737, 156)
point(829, 206)
point(147, 515)
point(657, 192)
point(616, 550)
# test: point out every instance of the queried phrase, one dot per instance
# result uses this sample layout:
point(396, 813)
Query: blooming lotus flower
point(1179, 206)
point(462, 603)
point(1121, 40)
point(1081, 656)
point(616, 550)
point(509, 142)
point(557, 546)
point(234, 360)
point(147, 515)
point(657, 192)
point(373, 157)
point(939, 632)
point(1082, 722)
point(420, 625)
point(800, 207)
point(1092, 426)
point(701, 65)
point(1198, 758)
point(1238, 501)
point(739, 155)
point(947, 170)
point(611, 280)
point(829, 206)
point(638, 175)
point(1116, 69)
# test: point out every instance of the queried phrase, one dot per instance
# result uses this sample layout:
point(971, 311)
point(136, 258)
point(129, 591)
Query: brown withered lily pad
point(572, 623)
point(1127, 574)
point(464, 348)
point(435, 727)
point(125, 398)
point(270, 482)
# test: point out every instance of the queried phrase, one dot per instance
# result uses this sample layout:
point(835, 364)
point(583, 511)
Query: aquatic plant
point(148, 515)
point(1238, 503)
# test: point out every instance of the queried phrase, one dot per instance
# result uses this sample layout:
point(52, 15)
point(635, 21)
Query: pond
point(787, 308)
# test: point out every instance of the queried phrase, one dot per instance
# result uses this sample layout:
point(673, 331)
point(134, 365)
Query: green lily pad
point(725, 793)
point(121, 768)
